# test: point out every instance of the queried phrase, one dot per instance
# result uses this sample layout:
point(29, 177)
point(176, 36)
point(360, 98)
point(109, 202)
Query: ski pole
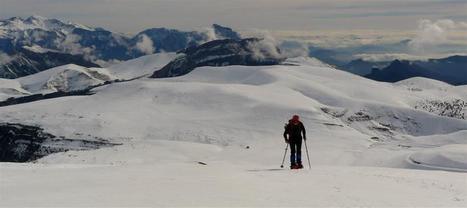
point(307, 155)
point(285, 153)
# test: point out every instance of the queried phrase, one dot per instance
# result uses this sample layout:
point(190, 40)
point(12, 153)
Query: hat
point(296, 118)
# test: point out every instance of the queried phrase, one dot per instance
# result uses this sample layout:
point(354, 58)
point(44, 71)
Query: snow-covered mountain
point(71, 77)
point(71, 43)
point(220, 128)
point(247, 52)
point(28, 61)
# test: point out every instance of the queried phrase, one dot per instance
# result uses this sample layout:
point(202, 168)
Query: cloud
point(292, 49)
point(145, 44)
point(267, 46)
point(132, 16)
point(5, 58)
point(402, 56)
point(389, 57)
point(431, 34)
point(71, 45)
point(210, 34)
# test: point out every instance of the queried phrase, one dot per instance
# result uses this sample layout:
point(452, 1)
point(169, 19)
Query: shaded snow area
point(449, 157)
point(213, 137)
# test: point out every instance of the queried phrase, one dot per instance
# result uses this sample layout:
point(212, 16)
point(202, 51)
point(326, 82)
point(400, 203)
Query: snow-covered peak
point(65, 78)
point(39, 22)
point(72, 77)
point(36, 19)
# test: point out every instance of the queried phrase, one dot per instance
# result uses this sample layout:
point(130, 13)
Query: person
point(293, 136)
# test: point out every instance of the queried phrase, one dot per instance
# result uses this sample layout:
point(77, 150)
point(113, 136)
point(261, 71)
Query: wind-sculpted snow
point(448, 157)
point(221, 128)
point(227, 105)
point(9, 88)
point(65, 78)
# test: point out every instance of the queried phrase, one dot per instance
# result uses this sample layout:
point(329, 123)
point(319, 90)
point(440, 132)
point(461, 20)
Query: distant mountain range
point(362, 67)
point(452, 70)
point(34, 44)
point(23, 41)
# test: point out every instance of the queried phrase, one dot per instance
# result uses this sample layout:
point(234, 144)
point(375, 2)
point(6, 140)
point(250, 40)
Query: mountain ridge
point(452, 70)
point(95, 45)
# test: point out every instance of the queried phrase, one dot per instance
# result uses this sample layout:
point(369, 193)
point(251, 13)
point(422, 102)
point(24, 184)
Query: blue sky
point(130, 16)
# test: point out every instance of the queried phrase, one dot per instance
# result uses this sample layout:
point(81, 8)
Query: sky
point(132, 16)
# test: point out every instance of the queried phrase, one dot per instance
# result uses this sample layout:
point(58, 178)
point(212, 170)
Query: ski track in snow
point(359, 144)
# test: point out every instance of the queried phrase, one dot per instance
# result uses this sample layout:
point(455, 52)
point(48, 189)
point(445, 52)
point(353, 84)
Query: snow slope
point(73, 77)
point(361, 134)
point(141, 66)
point(64, 78)
point(448, 157)
point(10, 88)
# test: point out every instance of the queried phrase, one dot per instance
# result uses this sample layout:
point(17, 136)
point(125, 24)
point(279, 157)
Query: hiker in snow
point(293, 136)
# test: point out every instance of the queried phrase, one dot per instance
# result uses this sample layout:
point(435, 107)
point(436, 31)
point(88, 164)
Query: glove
point(304, 138)
point(286, 140)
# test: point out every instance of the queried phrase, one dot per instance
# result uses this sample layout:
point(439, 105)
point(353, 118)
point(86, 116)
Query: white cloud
point(431, 34)
point(267, 45)
point(210, 34)
point(71, 45)
point(5, 58)
point(145, 44)
point(288, 48)
point(292, 49)
point(132, 16)
point(390, 57)
point(402, 56)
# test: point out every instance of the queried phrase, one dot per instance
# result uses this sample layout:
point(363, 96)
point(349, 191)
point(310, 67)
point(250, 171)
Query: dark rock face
point(27, 62)
point(37, 97)
point(452, 70)
point(248, 52)
point(104, 44)
point(170, 40)
point(225, 32)
point(454, 108)
point(22, 143)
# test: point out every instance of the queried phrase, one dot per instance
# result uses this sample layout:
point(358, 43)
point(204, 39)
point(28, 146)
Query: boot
point(293, 166)
point(299, 165)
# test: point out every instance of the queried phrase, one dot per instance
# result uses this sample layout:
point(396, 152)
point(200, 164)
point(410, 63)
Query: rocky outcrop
point(248, 52)
point(23, 143)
